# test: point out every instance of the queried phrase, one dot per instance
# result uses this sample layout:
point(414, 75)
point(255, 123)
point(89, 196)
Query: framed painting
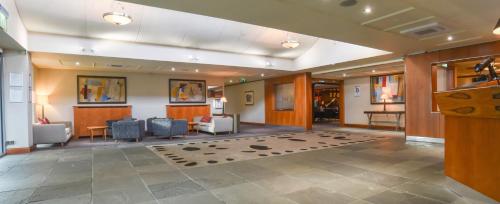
point(285, 97)
point(101, 90)
point(388, 89)
point(187, 91)
point(249, 97)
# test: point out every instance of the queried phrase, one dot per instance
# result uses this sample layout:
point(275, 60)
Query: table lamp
point(42, 100)
point(384, 96)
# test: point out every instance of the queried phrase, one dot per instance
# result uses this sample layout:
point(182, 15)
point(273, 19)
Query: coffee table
point(97, 128)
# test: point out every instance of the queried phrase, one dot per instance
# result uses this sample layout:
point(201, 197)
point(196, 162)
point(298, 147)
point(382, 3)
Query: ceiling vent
point(427, 30)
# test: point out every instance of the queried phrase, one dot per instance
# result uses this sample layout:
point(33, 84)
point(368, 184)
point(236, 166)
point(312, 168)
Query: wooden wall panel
point(471, 153)
point(85, 116)
point(419, 118)
point(302, 114)
point(187, 112)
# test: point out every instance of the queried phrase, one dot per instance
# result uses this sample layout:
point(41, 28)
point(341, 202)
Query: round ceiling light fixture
point(290, 44)
point(117, 18)
point(496, 30)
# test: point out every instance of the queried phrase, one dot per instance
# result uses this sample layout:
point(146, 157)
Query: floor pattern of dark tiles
point(384, 171)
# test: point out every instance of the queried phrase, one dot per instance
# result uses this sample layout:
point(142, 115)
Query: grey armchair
point(165, 127)
point(128, 129)
point(56, 132)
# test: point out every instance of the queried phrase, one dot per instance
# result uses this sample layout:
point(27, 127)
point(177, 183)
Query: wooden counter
point(472, 137)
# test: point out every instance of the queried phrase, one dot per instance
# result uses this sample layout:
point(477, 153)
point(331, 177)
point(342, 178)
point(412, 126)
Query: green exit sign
point(4, 15)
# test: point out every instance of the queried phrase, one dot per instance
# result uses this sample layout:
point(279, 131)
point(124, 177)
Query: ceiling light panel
point(413, 15)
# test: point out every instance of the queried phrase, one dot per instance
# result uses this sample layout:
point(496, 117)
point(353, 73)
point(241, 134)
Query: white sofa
point(218, 124)
point(57, 132)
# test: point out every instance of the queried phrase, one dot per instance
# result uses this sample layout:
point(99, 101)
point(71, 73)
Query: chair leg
point(62, 144)
point(136, 139)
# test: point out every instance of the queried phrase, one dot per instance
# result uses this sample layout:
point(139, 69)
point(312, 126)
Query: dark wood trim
point(105, 77)
point(20, 150)
point(190, 102)
point(377, 127)
point(102, 106)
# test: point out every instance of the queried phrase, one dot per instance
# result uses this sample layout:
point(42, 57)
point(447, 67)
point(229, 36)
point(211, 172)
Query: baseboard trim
point(425, 139)
point(20, 150)
point(377, 127)
point(252, 123)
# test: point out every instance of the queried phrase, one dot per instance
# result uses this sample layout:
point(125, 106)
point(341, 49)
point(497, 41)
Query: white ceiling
point(157, 26)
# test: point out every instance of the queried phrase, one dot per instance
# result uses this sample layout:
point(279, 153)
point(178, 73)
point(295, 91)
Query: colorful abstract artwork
point(285, 96)
point(101, 90)
point(187, 91)
point(387, 89)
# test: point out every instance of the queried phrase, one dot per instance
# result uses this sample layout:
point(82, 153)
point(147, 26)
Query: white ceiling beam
point(49, 43)
point(388, 15)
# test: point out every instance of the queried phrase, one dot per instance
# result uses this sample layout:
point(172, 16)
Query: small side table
point(191, 127)
point(97, 128)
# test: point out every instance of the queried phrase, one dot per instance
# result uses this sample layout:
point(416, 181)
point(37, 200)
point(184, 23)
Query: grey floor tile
point(214, 177)
point(171, 189)
point(284, 184)
point(79, 199)
point(392, 197)
point(430, 191)
point(131, 195)
point(248, 193)
point(61, 191)
point(353, 187)
point(319, 195)
point(16, 197)
point(204, 197)
point(163, 177)
point(381, 178)
point(117, 183)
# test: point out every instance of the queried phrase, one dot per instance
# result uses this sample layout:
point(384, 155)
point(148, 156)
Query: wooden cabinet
point(85, 116)
point(187, 112)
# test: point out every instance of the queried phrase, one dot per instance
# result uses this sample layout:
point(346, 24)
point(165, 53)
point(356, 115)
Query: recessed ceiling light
point(77, 63)
point(344, 74)
point(290, 44)
point(262, 75)
point(196, 70)
point(230, 81)
point(173, 68)
point(117, 18)
point(450, 38)
point(367, 10)
point(373, 71)
point(496, 30)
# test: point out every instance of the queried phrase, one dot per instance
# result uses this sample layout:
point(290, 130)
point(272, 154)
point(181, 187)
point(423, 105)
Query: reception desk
point(472, 137)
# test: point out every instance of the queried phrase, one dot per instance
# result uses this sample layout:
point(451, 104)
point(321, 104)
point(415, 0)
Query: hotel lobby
point(262, 101)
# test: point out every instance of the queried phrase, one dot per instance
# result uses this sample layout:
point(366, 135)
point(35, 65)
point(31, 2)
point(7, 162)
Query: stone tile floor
point(378, 172)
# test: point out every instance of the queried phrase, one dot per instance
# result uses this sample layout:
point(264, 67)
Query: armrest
point(67, 124)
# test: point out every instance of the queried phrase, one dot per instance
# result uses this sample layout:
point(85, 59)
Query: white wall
point(146, 93)
point(355, 106)
point(17, 116)
point(235, 95)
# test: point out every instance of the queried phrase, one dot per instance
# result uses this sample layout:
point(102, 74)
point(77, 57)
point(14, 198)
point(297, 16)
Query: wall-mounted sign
point(357, 91)
point(4, 15)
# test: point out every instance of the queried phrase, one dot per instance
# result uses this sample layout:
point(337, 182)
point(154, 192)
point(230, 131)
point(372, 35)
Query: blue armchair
point(128, 129)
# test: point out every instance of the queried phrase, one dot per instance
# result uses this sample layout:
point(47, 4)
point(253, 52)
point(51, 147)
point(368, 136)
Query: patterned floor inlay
point(196, 154)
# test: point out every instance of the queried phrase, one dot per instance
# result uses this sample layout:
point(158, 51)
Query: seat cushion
point(67, 130)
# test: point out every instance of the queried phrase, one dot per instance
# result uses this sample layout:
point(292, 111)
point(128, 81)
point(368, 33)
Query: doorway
point(326, 103)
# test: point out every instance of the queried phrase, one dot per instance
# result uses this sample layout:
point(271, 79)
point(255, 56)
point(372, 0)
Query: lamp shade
point(496, 30)
point(223, 99)
point(42, 99)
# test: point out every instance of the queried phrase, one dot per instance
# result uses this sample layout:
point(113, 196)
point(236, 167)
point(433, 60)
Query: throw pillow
point(43, 121)
point(206, 119)
point(46, 120)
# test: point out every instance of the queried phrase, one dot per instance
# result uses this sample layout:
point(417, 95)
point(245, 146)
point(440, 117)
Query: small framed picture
point(248, 97)
point(357, 91)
